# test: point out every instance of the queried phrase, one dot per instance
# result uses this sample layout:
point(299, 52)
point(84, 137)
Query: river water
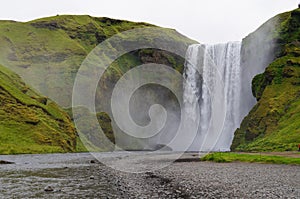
point(82, 176)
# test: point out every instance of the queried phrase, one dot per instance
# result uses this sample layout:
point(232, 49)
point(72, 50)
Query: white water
point(213, 80)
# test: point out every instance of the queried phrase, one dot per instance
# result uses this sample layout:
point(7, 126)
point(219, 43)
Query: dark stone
point(49, 189)
point(6, 162)
point(51, 25)
point(151, 175)
point(162, 147)
point(32, 122)
point(42, 100)
point(196, 159)
point(100, 37)
point(288, 72)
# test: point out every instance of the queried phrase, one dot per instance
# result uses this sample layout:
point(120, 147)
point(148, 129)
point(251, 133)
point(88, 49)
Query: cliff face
point(29, 122)
point(274, 122)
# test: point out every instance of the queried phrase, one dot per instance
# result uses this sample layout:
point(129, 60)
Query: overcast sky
point(207, 21)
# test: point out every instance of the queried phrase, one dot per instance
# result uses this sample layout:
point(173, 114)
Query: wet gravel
point(80, 176)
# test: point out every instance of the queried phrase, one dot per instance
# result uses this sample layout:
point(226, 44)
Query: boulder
point(6, 162)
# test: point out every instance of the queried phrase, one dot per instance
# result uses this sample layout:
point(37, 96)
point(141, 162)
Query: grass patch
point(251, 158)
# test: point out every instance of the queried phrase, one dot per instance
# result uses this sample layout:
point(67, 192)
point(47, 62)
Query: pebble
point(92, 177)
point(49, 189)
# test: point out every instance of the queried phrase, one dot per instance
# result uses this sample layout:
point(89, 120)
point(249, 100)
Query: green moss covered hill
point(47, 52)
point(274, 123)
point(29, 122)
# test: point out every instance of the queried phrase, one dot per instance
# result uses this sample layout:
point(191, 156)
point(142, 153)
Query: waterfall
point(212, 74)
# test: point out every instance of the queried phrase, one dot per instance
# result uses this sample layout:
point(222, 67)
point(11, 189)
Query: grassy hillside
point(274, 123)
point(47, 52)
point(29, 122)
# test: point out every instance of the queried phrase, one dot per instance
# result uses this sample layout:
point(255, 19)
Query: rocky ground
point(81, 176)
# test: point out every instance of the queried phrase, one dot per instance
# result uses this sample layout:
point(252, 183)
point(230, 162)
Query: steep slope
point(274, 122)
point(30, 123)
point(47, 52)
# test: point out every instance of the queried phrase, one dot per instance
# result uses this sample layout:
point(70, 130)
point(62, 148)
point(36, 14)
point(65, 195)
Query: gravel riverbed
point(81, 176)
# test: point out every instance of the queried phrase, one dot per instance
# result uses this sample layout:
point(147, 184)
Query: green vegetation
point(238, 157)
point(47, 52)
point(30, 123)
point(274, 123)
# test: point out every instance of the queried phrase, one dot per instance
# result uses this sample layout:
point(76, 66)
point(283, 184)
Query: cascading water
point(212, 74)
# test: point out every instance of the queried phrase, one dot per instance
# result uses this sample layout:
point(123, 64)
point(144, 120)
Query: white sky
point(207, 21)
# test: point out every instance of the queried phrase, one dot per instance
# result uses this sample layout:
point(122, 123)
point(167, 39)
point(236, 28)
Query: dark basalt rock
point(6, 162)
point(162, 147)
point(51, 25)
point(49, 189)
